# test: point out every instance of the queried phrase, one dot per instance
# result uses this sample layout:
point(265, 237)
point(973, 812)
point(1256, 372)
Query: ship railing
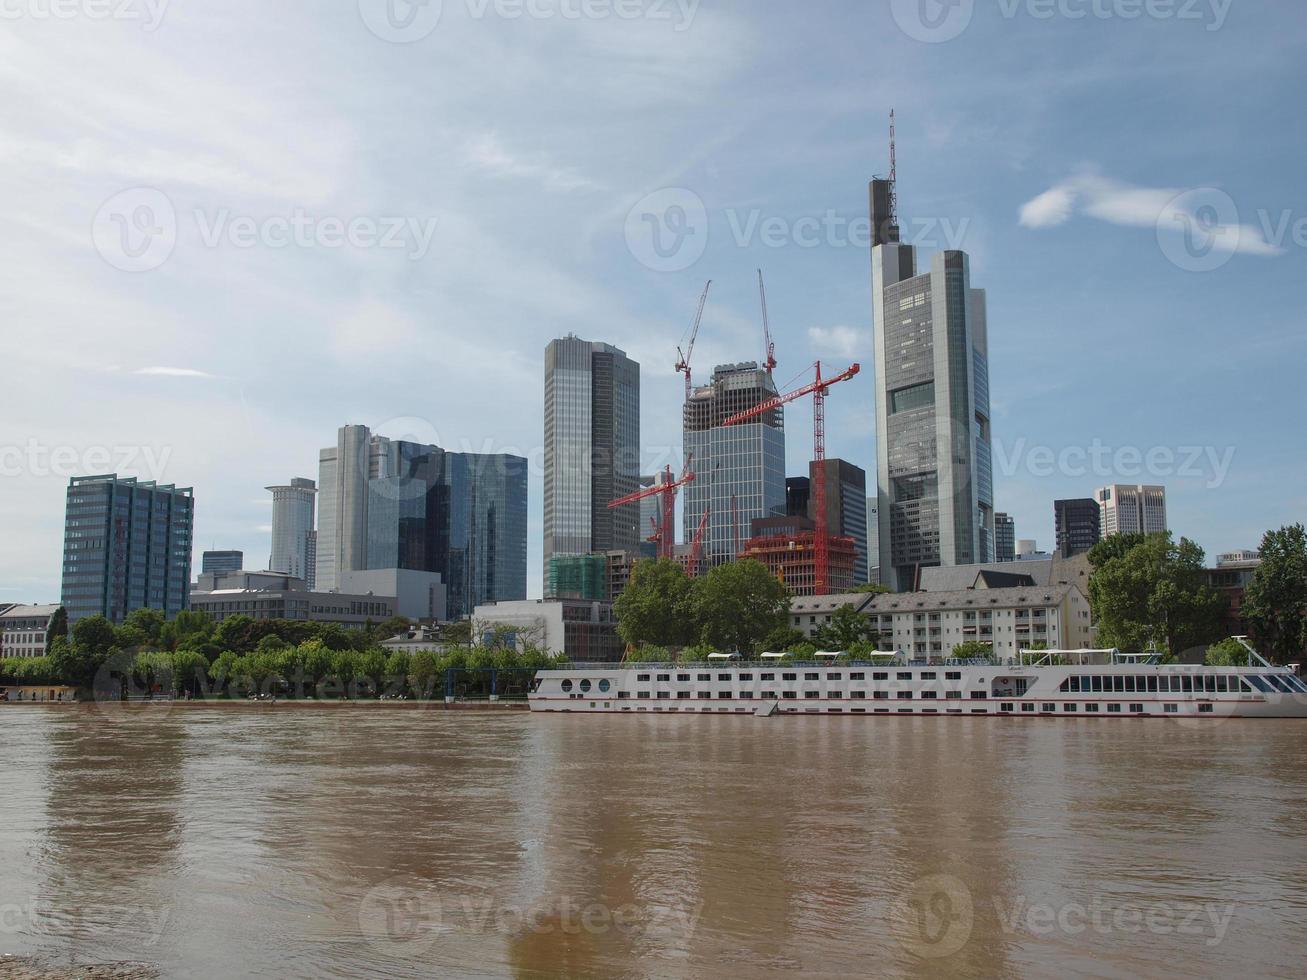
point(773, 664)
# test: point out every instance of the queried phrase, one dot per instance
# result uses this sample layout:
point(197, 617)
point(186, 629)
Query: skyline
point(234, 364)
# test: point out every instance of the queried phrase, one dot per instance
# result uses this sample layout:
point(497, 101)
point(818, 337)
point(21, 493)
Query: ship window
point(746, 677)
point(880, 675)
point(811, 677)
point(952, 675)
point(979, 695)
point(928, 675)
point(1070, 684)
point(1118, 683)
point(567, 686)
point(1068, 707)
point(1027, 706)
point(1296, 682)
point(605, 685)
point(953, 695)
point(789, 695)
point(1170, 708)
point(723, 677)
point(1152, 683)
point(623, 695)
point(928, 695)
point(1048, 707)
point(904, 675)
point(812, 695)
point(1091, 708)
point(836, 695)
point(766, 677)
point(835, 677)
point(859, 695)
point(1279, 684)
point(1129, 685)
point(723, 695)
point(668, 677)
point(642, 677)
point(684, 695)
point(905, 695)
point(1098, 683)
point(679, 677)
point(880, 695)
point(1206, 708)
point(1258, 683)
point(857, 675)
point(1222, 684)
point(585, 686)
point(1137, 709)
point(643, 695)
point(746, 695)
point(705, 677)
point(664, 695)
point(1005, 707)
point(1209, 682)
point(1114, 707)
point(789, 677)
point(1187, 684)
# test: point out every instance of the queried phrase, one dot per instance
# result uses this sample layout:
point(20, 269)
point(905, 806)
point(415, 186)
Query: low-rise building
point(270, 595)
point(1231, 577)
point(931, 624)
point(422, 639)
point(25, 630)
point(418, 595)
point(584, 631)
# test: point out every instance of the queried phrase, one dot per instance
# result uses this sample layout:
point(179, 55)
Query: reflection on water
point(286, 841)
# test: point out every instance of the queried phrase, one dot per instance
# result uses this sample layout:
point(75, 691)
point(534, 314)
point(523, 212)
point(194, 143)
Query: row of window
point(834, 675)
point(1183, 684)
point(786, 695)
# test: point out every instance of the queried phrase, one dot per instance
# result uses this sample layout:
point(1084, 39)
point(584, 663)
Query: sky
point(228, 228)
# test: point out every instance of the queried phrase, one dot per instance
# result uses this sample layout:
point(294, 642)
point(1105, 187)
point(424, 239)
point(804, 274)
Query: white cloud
point(487, 153)
point(840, 341)
point(174, 372)
point(1131, 206)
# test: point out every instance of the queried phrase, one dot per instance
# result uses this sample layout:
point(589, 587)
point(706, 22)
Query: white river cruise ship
point(1038, 684)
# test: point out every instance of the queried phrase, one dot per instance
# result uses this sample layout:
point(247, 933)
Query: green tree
point(1155, 590)
point(58, 626)
point(736, 606)
point(846, 627)
point(973, 649)
point(874, 588)
point(1228, 653)
point(75, 662)
point(654, 608)
point(392, 627)
point(236, 633)
point(1275, 606)
point(783, 638)
point(147, 622)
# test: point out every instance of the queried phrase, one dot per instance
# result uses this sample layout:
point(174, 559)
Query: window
point(643, 695)
point(1091, 708)
point(1097, 684)
point(880, 675)
point(1118, 683)
point(746, 695)
point(1221, 685)
point(604, 685)
point(705, 677)
point(766, 677)
point(1152, 683)
point(952, 675)
point(746, 677)
point(904, 675)
point(1137, 709)
point(664, 695)
point(1005, 707)
point(1048, 708)
point(1027, 706)
point(1170, 709)
point(880, 695)
point(585, 686)
point(1206, 708)
point(789, 677)
point(1114, 708)
point(979, 695)
point(724, 677)
point(789, 696)
point(857, 675)
point(684, 695)
point(723, 695)
point(928, 695)
point(835, 695)
point(668, 677)
point(905, 695)
point(623, 694)
point(811, 695)
point(1068, 707)
point(679, 677)
point(567, 686)
point(642, 677)
point(953, 695)
point(928, 675)
point(859, 695)
point(811, 676)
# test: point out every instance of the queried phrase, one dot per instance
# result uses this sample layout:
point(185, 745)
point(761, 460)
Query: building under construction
point(741, 468)
point(786, 545)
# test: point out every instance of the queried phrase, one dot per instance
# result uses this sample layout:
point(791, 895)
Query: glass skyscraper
point(592, 449)
point(127, 546)
point(292, 530)
point(934, 472)
point(740, 469)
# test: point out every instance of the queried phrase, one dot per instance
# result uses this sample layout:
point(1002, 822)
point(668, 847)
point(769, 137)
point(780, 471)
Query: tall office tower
point(741, 464)
point(292, 530)
point(420, 508)
point(846, 509)
point(592, 448)
point(127, 545)
point(222, 561)
point(343, 474)
point(1126, 509)
point(873, 540)
point(1005, 538)
point(1078, 524)
point(798, 496)
point(934, 470)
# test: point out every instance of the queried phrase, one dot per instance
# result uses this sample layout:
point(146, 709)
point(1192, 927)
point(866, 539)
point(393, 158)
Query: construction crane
point(696, 549)
point(683, 357)
point(666, 534)
point(769, 345)
point(818, 389)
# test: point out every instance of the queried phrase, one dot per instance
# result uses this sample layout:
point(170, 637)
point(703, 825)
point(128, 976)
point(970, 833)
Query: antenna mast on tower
point(893, 178)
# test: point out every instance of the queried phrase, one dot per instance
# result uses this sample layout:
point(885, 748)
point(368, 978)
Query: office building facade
point(462, 515)
point(1005, 538)
point(293, 536)
point(1078, 525)
point(222, 561)
point(592, 449)
point(846, 509)
point(1132, 509)
point(934, 461)
point(741, 468)
point(127, 546)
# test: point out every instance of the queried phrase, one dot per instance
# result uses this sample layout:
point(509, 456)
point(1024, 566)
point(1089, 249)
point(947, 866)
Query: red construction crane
point(818, 389)
point(683, 358)
point(667, 532)
point(696, 549)
point(768, 344)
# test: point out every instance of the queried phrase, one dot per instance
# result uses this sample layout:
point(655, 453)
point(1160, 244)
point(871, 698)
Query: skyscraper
point(934, 471)
point(1126, 509)
point(1078, 525)
point(292, 530)
point(127, 546)
point(873, 540)
point(420, 508)
point(741, 468)
point(592, 448)
point(846, 509)
point(1005, 538)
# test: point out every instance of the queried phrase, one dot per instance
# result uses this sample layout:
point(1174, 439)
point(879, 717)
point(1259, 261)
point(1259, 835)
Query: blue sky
point(485, 171)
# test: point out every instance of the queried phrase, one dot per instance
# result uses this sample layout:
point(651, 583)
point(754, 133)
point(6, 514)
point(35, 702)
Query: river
point(285, 841)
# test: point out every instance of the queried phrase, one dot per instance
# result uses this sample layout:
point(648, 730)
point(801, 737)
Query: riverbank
point(166, 705)
point(30, 968)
